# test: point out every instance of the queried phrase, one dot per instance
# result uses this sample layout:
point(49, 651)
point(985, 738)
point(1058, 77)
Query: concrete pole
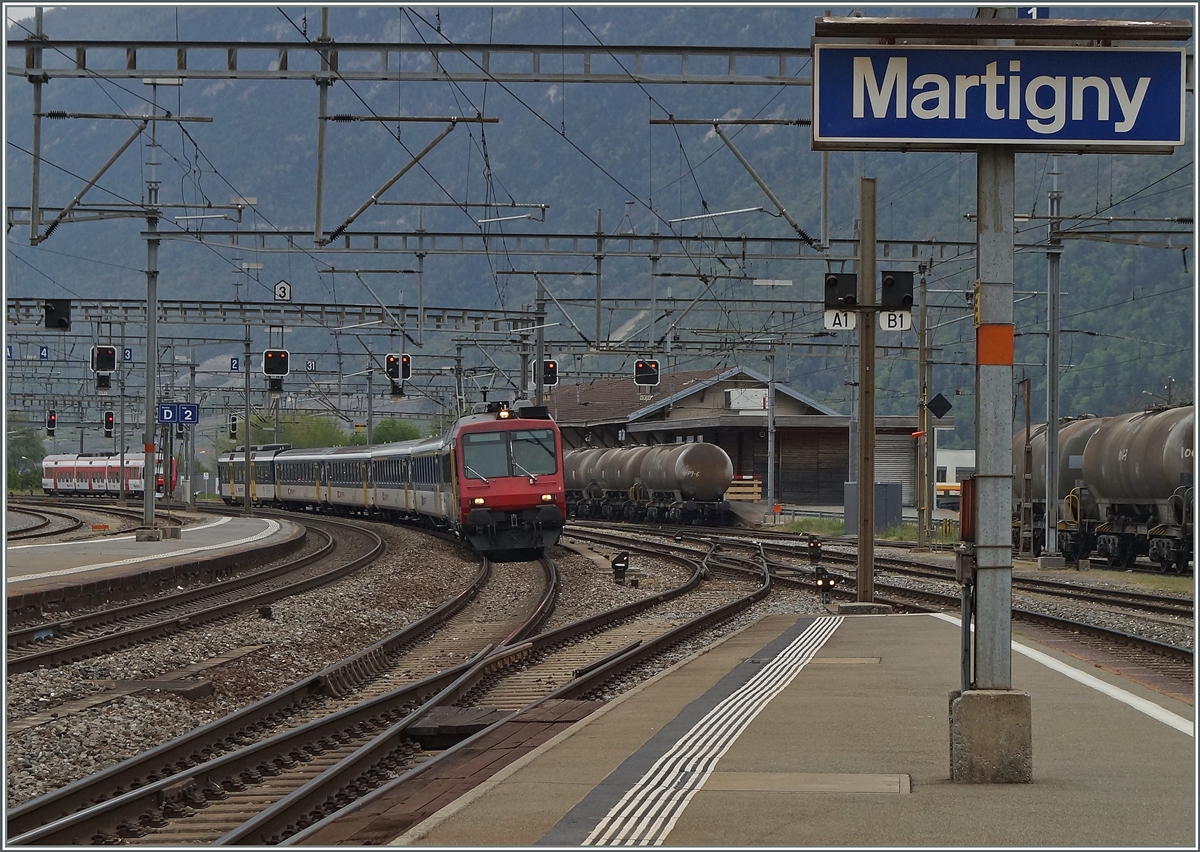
point(924, 474)
point(599, 257)
point(866, 394)
point(190, 447)
point(121, 383)
point(35, 210)
point(994, 417)
point(151, 318)
point(1053, 256)
point(540, 342)
point(248, 479)
point(323, 83)
point(370, 408)
point(771, 435)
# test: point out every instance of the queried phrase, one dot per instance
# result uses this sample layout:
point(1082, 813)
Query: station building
point(729, 408)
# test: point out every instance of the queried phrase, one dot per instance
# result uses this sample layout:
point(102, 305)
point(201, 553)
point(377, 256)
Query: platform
point(53, 574)
point(835, 732)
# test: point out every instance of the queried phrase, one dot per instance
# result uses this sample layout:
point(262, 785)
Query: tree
point(387, 431)
point(25, 451)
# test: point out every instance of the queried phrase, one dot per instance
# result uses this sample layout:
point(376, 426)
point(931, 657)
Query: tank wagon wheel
point(1123, 557)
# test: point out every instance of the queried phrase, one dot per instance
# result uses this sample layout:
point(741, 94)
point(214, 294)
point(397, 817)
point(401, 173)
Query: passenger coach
point(494, 479)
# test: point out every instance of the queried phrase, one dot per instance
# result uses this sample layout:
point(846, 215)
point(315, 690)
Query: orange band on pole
point(149, 448)
point(994, 345)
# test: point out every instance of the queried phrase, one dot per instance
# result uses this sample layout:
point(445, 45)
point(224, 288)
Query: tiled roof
point(617, 400)
point(613, 400)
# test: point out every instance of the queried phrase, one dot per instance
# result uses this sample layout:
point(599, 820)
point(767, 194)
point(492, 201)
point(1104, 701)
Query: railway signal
point(109, 421)
point(275, 362)
point(391, 365)
point(51, 422)
point(58, 314)
point(405, 367)
point(645, 372)
point(841, 291)
point(233, 425)
point(549, 373)
point(104, 359)
point(825, 582)
point(897, 292)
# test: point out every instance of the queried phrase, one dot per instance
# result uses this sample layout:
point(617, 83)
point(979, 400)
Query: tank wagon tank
point(1138, 469)
point(1125, 487)
point(1073, 436)
point(673, 483)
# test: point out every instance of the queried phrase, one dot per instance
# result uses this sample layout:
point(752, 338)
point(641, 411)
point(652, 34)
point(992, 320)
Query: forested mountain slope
point(1128, 310)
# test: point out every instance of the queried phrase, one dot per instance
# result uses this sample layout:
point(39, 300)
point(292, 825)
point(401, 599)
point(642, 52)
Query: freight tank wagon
point(672, 483)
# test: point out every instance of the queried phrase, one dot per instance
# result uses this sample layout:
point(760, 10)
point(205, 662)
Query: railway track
point(42, 524)
point(522, 684)
point(219, 804)
point(800, 550)
point(272, 746)
point(1175, 662)
point(52, 643)
point(131, 517)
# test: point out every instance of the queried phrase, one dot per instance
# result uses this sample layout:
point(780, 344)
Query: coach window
point(533, 452)
point(485, 455)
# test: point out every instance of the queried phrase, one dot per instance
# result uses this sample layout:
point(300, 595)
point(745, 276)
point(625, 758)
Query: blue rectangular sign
point(168, 412)
point(952, 98)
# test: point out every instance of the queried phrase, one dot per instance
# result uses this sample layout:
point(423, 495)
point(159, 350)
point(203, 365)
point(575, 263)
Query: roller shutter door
point(895, 461)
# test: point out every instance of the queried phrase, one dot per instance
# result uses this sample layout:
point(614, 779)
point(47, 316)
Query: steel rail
point(184, 752)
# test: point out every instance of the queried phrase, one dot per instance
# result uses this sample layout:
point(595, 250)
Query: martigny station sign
point(1032, 98)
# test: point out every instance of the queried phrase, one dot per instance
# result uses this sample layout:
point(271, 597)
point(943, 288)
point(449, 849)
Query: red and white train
point(495, 479)
point(101, 474)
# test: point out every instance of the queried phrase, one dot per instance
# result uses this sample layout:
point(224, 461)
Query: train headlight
point(478, 501)
point(547, 498)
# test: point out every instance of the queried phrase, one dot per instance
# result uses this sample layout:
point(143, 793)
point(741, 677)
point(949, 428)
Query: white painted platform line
point(272, 528)
point(647, 813)
point(1151, 709)
point(76, 541)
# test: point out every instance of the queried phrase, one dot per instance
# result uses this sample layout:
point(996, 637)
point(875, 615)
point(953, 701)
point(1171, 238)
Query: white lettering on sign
point(1046, 99)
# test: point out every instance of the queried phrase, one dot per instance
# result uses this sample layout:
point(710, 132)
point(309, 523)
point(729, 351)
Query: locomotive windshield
point(525, 452)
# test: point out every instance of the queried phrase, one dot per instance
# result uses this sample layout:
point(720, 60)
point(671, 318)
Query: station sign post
point(992, 86)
